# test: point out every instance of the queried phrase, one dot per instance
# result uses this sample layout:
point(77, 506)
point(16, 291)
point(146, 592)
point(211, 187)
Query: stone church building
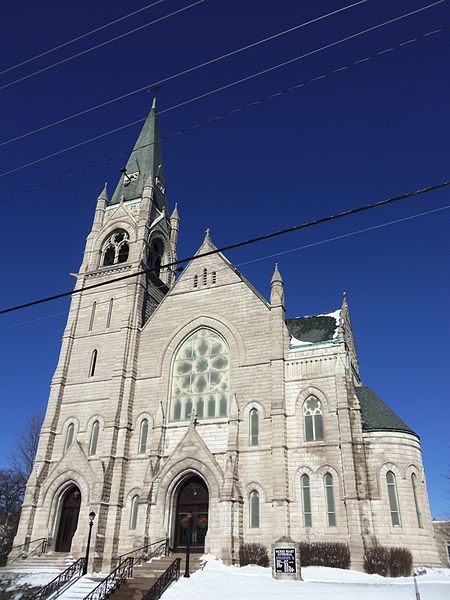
point(189, 394)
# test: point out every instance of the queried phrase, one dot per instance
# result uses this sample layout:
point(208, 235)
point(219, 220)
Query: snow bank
point(219, 582)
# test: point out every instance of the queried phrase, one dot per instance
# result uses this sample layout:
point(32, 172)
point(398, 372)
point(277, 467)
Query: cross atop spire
point(145, 162)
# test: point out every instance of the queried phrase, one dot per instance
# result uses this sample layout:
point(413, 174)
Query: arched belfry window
point(155, 255)
point(116, 248)
point(312, 412)
point(200, 377)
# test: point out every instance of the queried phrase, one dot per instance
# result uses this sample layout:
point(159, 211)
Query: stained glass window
point(143, 434)
point(134, 512)
point(254, 427)
point(254, 509)
point(312, 411)
point(200, 379)
point(306, 493)
point(393, 498)
point(94, 439)
point(69, 436)
point(331, 511)
point(416, 500)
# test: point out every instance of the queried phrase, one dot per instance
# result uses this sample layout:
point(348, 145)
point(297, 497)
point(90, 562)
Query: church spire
point(145, 162)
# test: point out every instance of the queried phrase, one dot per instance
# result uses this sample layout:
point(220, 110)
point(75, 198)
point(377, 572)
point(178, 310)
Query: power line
point(195, 68)
point(80, 37)
point(213, 119)
point(254, 260)
point(240, 244)
point(100, 45)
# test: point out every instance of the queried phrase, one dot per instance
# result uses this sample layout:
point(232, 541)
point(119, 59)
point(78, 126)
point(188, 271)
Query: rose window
point(200, 379)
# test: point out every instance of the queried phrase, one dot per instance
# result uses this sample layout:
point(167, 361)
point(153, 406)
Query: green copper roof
point(145, 160)
point(376, 415)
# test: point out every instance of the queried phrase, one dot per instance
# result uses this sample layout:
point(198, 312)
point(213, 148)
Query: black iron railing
point(146, 553)
point(28, 549)
point(106, 587)
point(160, 586)
point(64, 579)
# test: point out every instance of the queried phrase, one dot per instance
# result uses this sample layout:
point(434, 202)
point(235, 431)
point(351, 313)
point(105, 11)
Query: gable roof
point(314, 328)
point(376, 415)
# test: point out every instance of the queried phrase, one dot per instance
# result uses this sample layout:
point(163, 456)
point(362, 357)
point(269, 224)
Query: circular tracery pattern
point(200, 379)
point(116, 248)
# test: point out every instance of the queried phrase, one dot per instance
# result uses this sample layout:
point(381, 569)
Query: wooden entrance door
point(192, 504)
point(68, 520)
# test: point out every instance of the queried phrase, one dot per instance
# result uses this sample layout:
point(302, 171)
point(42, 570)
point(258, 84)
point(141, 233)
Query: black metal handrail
point(23, 550)
point(106, 587)
point(147, 552)
point(172, 573)
point(62, 581)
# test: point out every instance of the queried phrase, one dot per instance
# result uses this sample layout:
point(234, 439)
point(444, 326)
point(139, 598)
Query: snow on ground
point(220, 582)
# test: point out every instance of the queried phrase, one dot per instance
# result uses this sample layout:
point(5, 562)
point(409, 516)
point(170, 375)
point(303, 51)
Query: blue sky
point(376, 130)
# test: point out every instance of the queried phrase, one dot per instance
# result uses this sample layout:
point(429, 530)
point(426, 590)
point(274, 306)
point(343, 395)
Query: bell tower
point(131, 239)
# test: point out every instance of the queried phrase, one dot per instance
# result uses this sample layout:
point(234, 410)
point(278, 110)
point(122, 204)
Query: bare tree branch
point(22, 459)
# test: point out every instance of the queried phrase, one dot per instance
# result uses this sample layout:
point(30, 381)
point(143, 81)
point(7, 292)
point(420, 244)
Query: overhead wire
point(79, 37)
point(210, 120)
point(254, 260)
point(242, 80)
point(260, 238)
point(202, 65)
point(100, 45)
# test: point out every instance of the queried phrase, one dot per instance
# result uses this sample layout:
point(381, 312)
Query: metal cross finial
point(193, 417)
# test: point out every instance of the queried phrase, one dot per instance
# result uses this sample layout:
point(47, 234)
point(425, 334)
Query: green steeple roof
point(145, 160)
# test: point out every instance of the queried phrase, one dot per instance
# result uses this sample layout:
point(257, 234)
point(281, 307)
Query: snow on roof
point(313, 329)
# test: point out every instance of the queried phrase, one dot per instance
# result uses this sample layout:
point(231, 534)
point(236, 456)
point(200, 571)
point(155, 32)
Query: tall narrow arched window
point(312, 412)
point(393, 498)
point(195, 280)
point(94, 439)
point(69, 436)
point(143, 434)
point(254, 509)
point(93, 363)
point(214, 277)
point(200, 377)
point(91, 322)
point(116, 248)
point(329, 493)
point(416, 500)
point(134, 511)
point(306, 497)
point(110, 309)
point(254, 427)
point(205, 276)
point(155, 255)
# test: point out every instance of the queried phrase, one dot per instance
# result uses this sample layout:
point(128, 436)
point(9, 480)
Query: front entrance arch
point(68, 518)
point(192, 501)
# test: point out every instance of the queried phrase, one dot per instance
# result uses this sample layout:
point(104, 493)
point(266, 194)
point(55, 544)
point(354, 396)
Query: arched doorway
point(68, 519)
point(192, 502)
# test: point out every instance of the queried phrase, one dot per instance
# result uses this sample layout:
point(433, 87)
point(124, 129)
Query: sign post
point(286, 559)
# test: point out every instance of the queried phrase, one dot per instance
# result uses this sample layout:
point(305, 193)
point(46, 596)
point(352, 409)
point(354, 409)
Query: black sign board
point(285, 560)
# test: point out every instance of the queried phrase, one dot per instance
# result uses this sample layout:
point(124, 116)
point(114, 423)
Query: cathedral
point(188, 397)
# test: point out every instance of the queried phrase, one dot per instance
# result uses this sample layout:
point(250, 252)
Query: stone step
point(81, 588)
